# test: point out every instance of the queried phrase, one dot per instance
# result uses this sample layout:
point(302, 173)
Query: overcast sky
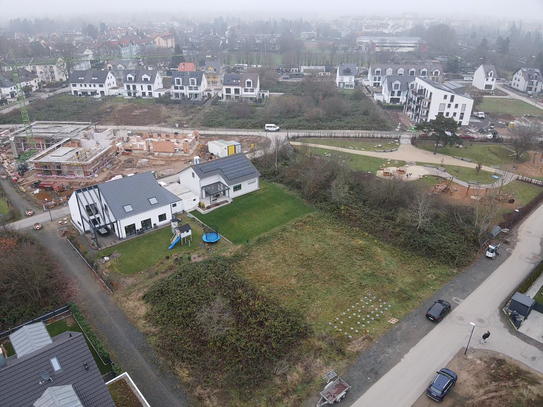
point(527, 10)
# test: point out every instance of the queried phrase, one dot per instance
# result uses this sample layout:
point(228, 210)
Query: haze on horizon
point(106, 10)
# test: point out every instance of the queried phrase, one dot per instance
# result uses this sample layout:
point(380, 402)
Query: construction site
point(64, 156)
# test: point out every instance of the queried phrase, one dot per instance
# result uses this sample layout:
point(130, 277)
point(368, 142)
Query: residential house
point(165, 40)
point(8, 89)
point(313, 70)
point(188, 85)
point(484, 77)
point(212, 72)
point(124, 206)
point(426, 99)
point(227, 177)
point(395, 88)
point(53, 70)
point(45, 371)
point(345, 76)
point(391, 44)
point(241, 87)
point(92, 83)
point(527, 80)
point(27, 79)
point(187, 67)
point(142, 83)
point(378, 72)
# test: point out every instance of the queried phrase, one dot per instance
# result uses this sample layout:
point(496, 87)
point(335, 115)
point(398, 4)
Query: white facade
point(89, 85)
point(528, 80)
point(189, 85)
point(484, 77)
point(223, 148)
point(145, 85)
point(427, 99)
point(395, 89)
point(345, 76)
point(52, 72)
point(378, 73)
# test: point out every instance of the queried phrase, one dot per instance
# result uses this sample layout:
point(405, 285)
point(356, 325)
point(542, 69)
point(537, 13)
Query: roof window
point(55, 363)
point(128, 208)
point(153, 201)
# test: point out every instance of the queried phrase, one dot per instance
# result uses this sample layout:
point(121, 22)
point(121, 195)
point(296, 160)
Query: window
point(454, 114)
point(452, 98)
point(146, 224)
point(56, 365)
point(162, 217)
point(91, 209)
point(174, 205)
point(237, 187)
point(389, 71)
point(446, 114)
point(193, 175)
point(148, 87)
point(461, 116)
point(130, 229)
point(456, 106)
point(128, 208)
point(396, 86)
point(444, 97)
point(423, 73)
point(248, 83)
point(463, 108)
point(377, 72)
point(448, 106)
point(441, 107)
point(400, 72)
point(411, 72)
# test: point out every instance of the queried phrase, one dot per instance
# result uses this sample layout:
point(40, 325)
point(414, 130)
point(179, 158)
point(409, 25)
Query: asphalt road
point(412, 369)
point(127, 345)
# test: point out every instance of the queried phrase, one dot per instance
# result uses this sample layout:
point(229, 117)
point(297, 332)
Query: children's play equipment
point(211, 234)
point(180, 233)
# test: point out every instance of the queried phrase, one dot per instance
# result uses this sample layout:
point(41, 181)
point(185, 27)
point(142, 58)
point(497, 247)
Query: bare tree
point(525, 138)
point(486, 210)
point(66, 51)
point(420, 210)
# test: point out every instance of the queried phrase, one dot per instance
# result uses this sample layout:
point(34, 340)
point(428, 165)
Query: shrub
point(89, 333)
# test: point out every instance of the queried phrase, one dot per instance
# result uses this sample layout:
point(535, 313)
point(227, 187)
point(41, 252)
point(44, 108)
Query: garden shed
point(522, 304)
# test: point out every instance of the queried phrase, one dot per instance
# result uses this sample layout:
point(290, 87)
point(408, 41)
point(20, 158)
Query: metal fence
point(43, 318)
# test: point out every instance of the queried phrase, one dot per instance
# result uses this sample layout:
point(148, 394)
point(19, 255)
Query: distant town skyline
point(105, 10)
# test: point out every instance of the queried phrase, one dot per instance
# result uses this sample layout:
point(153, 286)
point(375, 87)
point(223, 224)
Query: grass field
point(508, 106)
point(353, 143)
point(490, 154)
point(4, 208)
point(148, 249)
point(469, 174)
point(359, 162)
point(523, 192)
point(251, 215)
point(321, 268)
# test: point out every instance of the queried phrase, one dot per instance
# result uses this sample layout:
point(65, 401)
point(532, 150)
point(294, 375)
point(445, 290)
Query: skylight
point(153, 201)
point(128, 208)
point(55, 363)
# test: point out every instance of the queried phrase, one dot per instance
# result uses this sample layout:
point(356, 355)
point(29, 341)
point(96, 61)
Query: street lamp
point(513, 218)
point(470, 335)
point(49, 209)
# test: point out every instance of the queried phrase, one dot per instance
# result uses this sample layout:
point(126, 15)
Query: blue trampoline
point(211, 234)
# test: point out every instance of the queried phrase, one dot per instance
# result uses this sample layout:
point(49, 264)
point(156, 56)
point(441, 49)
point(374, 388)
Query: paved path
point(411, 375)
point(127, 345)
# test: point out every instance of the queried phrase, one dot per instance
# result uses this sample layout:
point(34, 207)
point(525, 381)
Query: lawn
point(147, 250)
point(322, 268)
point(359, 162)
point(523, 192)
point(469, 174)
point(508, 106)
point(490, 154)
point(4, 208)
point(251, 215)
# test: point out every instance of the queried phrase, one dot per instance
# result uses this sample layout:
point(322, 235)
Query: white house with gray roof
point(188, 85)
point(143, 83)
point(378, 72)
point(46, 372)
point(126, 206)
point(395, 88)
point(527, 80)
point(484, 77)
point(92, 83)
point(345, 76)
point(227, 177)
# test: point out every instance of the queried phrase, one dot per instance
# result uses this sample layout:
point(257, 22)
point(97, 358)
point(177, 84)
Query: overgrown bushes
point(221, 326)
point(87, 330)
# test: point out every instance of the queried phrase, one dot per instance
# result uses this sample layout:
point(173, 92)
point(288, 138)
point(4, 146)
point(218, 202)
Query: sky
point(527, 10)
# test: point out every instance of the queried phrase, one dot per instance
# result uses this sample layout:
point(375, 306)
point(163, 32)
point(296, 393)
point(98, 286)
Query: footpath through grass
point(251, 215)
point(353, 143)
point(359, 162)
point(508, 106)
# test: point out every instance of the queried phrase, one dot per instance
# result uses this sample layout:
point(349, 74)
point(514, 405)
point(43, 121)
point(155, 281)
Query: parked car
point(492, 251)
point(467, 137)
point(438, 311)
point(271, 127)
point(441, 385)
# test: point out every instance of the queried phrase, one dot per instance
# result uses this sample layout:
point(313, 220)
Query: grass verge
point(353, 143)
point(359, 162)
point(251, 215)
point(508, 106)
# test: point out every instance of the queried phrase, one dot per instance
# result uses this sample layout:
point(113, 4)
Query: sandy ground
point(475, 388)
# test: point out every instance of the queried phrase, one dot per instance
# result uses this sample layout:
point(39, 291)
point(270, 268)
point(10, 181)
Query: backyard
point(504, 106)
point(254, 214)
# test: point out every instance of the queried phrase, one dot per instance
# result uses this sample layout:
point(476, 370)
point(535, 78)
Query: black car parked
point(441, 385)
point(438, 310)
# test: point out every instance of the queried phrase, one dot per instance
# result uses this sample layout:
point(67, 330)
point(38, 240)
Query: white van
point(271, 127)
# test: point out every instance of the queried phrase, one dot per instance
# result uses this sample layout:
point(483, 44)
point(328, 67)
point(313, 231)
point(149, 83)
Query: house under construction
point(78, 157)
point(45, 135)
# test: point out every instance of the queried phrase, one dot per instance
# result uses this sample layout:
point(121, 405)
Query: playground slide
point(177, 239)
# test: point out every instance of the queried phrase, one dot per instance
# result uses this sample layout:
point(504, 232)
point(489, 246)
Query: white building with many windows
point(426, 99)
point(378, 72)
point(345, 76)
point(142, 83)
point(92, 83)
point(125, 207)
point(188, 85)
point(527, 80)
point(241, 87)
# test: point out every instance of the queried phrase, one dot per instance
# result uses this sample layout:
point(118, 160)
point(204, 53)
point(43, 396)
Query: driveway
point(412, 368)
point(127, 345)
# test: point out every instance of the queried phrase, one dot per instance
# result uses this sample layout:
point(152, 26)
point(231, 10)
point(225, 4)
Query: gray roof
point(526, 72)
point(136, 191)
point(406, 67)
point(232, 79)
point(216, 65)
point(59, 396)
point(185, 76)
point(489, 68)
point(5, 83)
point(21, 377)
point(24, 75)
point(30, 338)
point(347, 69)
point(88, 76)
point(138, 76)
point(453, 87)
point(404, 81)
point(233, 169)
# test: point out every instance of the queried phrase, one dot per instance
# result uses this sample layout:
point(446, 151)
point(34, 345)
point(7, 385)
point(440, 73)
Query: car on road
point(438, 310)
point(441, 385)
point(271, 127)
